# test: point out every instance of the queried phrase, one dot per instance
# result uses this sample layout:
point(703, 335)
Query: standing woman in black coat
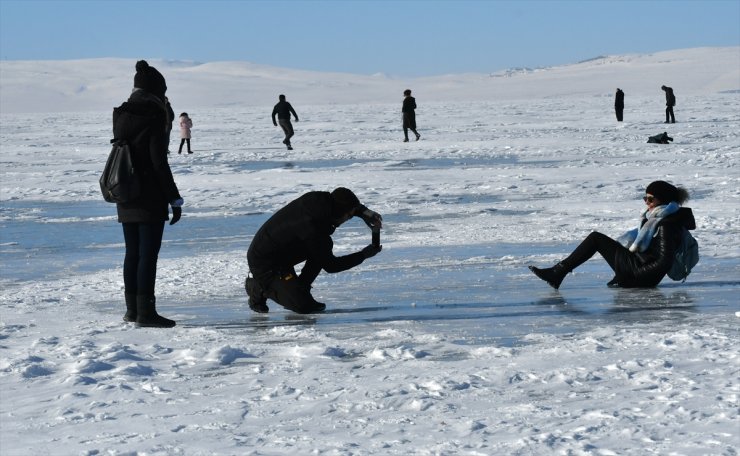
point(619, 104)
point(142, 121)
point(649, 256)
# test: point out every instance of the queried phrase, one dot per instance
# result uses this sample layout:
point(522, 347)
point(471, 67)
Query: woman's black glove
point(176, 210)
point(176, 214)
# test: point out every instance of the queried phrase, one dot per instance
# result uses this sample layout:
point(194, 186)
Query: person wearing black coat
point(670, 102)
point(142, 121)
point(409, 115)
point(283, 110)
point(301, 231)
point(661, 138)
point(619, 104)
point(170, 118)
point(649, 256)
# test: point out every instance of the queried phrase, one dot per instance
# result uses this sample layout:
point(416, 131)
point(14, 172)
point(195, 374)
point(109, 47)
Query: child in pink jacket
point(186, 123)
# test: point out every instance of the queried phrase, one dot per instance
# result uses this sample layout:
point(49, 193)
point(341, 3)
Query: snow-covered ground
point(443, 344)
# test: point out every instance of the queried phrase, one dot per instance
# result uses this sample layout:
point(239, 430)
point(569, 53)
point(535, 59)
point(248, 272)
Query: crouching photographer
point(301, 231)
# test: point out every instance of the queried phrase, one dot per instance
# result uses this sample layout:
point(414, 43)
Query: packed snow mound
point(100, 84)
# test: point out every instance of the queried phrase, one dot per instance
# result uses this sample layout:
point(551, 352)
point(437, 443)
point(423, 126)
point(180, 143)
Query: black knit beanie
point(149, 79)
point(664, 191)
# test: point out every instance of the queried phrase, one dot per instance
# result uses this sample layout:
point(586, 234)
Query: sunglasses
point(648, 198)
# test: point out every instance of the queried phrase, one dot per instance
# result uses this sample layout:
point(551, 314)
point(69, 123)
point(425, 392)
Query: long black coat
point(619, 100)
point(409, 105)
point(409, 115)
point(647, 269)
point(300, 231)
point(142, 120)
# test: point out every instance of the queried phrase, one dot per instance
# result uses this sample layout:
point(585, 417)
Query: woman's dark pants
point(143, 241)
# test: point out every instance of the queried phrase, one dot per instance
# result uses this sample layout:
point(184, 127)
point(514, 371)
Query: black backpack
point(687, 256)
point(120, 182)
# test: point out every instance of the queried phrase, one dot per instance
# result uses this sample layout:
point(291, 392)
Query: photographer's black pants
point(289, 289)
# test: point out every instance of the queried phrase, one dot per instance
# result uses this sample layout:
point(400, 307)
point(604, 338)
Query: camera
point(376, 236)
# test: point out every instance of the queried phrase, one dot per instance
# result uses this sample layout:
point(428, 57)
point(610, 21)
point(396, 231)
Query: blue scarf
point(638, 240)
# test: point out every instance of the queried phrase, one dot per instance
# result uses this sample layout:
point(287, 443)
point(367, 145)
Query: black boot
point(257, 300)
point(553, 276)
point(147, 316)
point(130, 308)
point(318, 307)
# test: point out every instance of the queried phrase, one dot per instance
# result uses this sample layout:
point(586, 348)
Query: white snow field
point(442, 344)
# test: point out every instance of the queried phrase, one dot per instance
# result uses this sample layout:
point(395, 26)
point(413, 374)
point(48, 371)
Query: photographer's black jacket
point(298, 232)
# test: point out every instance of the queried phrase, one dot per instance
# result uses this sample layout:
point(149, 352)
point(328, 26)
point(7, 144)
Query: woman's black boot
point(130, 308)
point(147, 316)
point(553, 276)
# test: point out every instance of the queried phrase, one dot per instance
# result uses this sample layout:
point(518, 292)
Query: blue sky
point(398, 38)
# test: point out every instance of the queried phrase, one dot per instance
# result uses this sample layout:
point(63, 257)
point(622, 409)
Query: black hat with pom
point(149, 79)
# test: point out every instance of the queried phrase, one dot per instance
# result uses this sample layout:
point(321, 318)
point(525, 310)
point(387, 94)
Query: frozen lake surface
point(482, 293)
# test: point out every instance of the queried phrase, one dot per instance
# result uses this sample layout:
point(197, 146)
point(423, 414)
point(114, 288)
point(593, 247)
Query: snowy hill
point(99, 84)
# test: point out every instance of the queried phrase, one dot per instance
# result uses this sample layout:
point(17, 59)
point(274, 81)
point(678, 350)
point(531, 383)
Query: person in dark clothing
point(661, 138)
point(651, 248)
point(409, 115)
point(619, 104)
point(301, 231)
point(170, 118)
point(283, 110)
point(670, 102)
point(142, 121)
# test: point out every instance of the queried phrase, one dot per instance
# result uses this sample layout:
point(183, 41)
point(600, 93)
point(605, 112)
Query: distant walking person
point(283, 110)
point(670, 102)
point(619, 104)
point(409, 115)
point(186, 123)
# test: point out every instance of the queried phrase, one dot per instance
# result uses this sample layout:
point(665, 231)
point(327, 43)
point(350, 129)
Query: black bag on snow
point(120, 182)
point(662, 138)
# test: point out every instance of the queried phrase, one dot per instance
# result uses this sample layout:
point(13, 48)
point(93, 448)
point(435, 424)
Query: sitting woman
point(650, 250)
